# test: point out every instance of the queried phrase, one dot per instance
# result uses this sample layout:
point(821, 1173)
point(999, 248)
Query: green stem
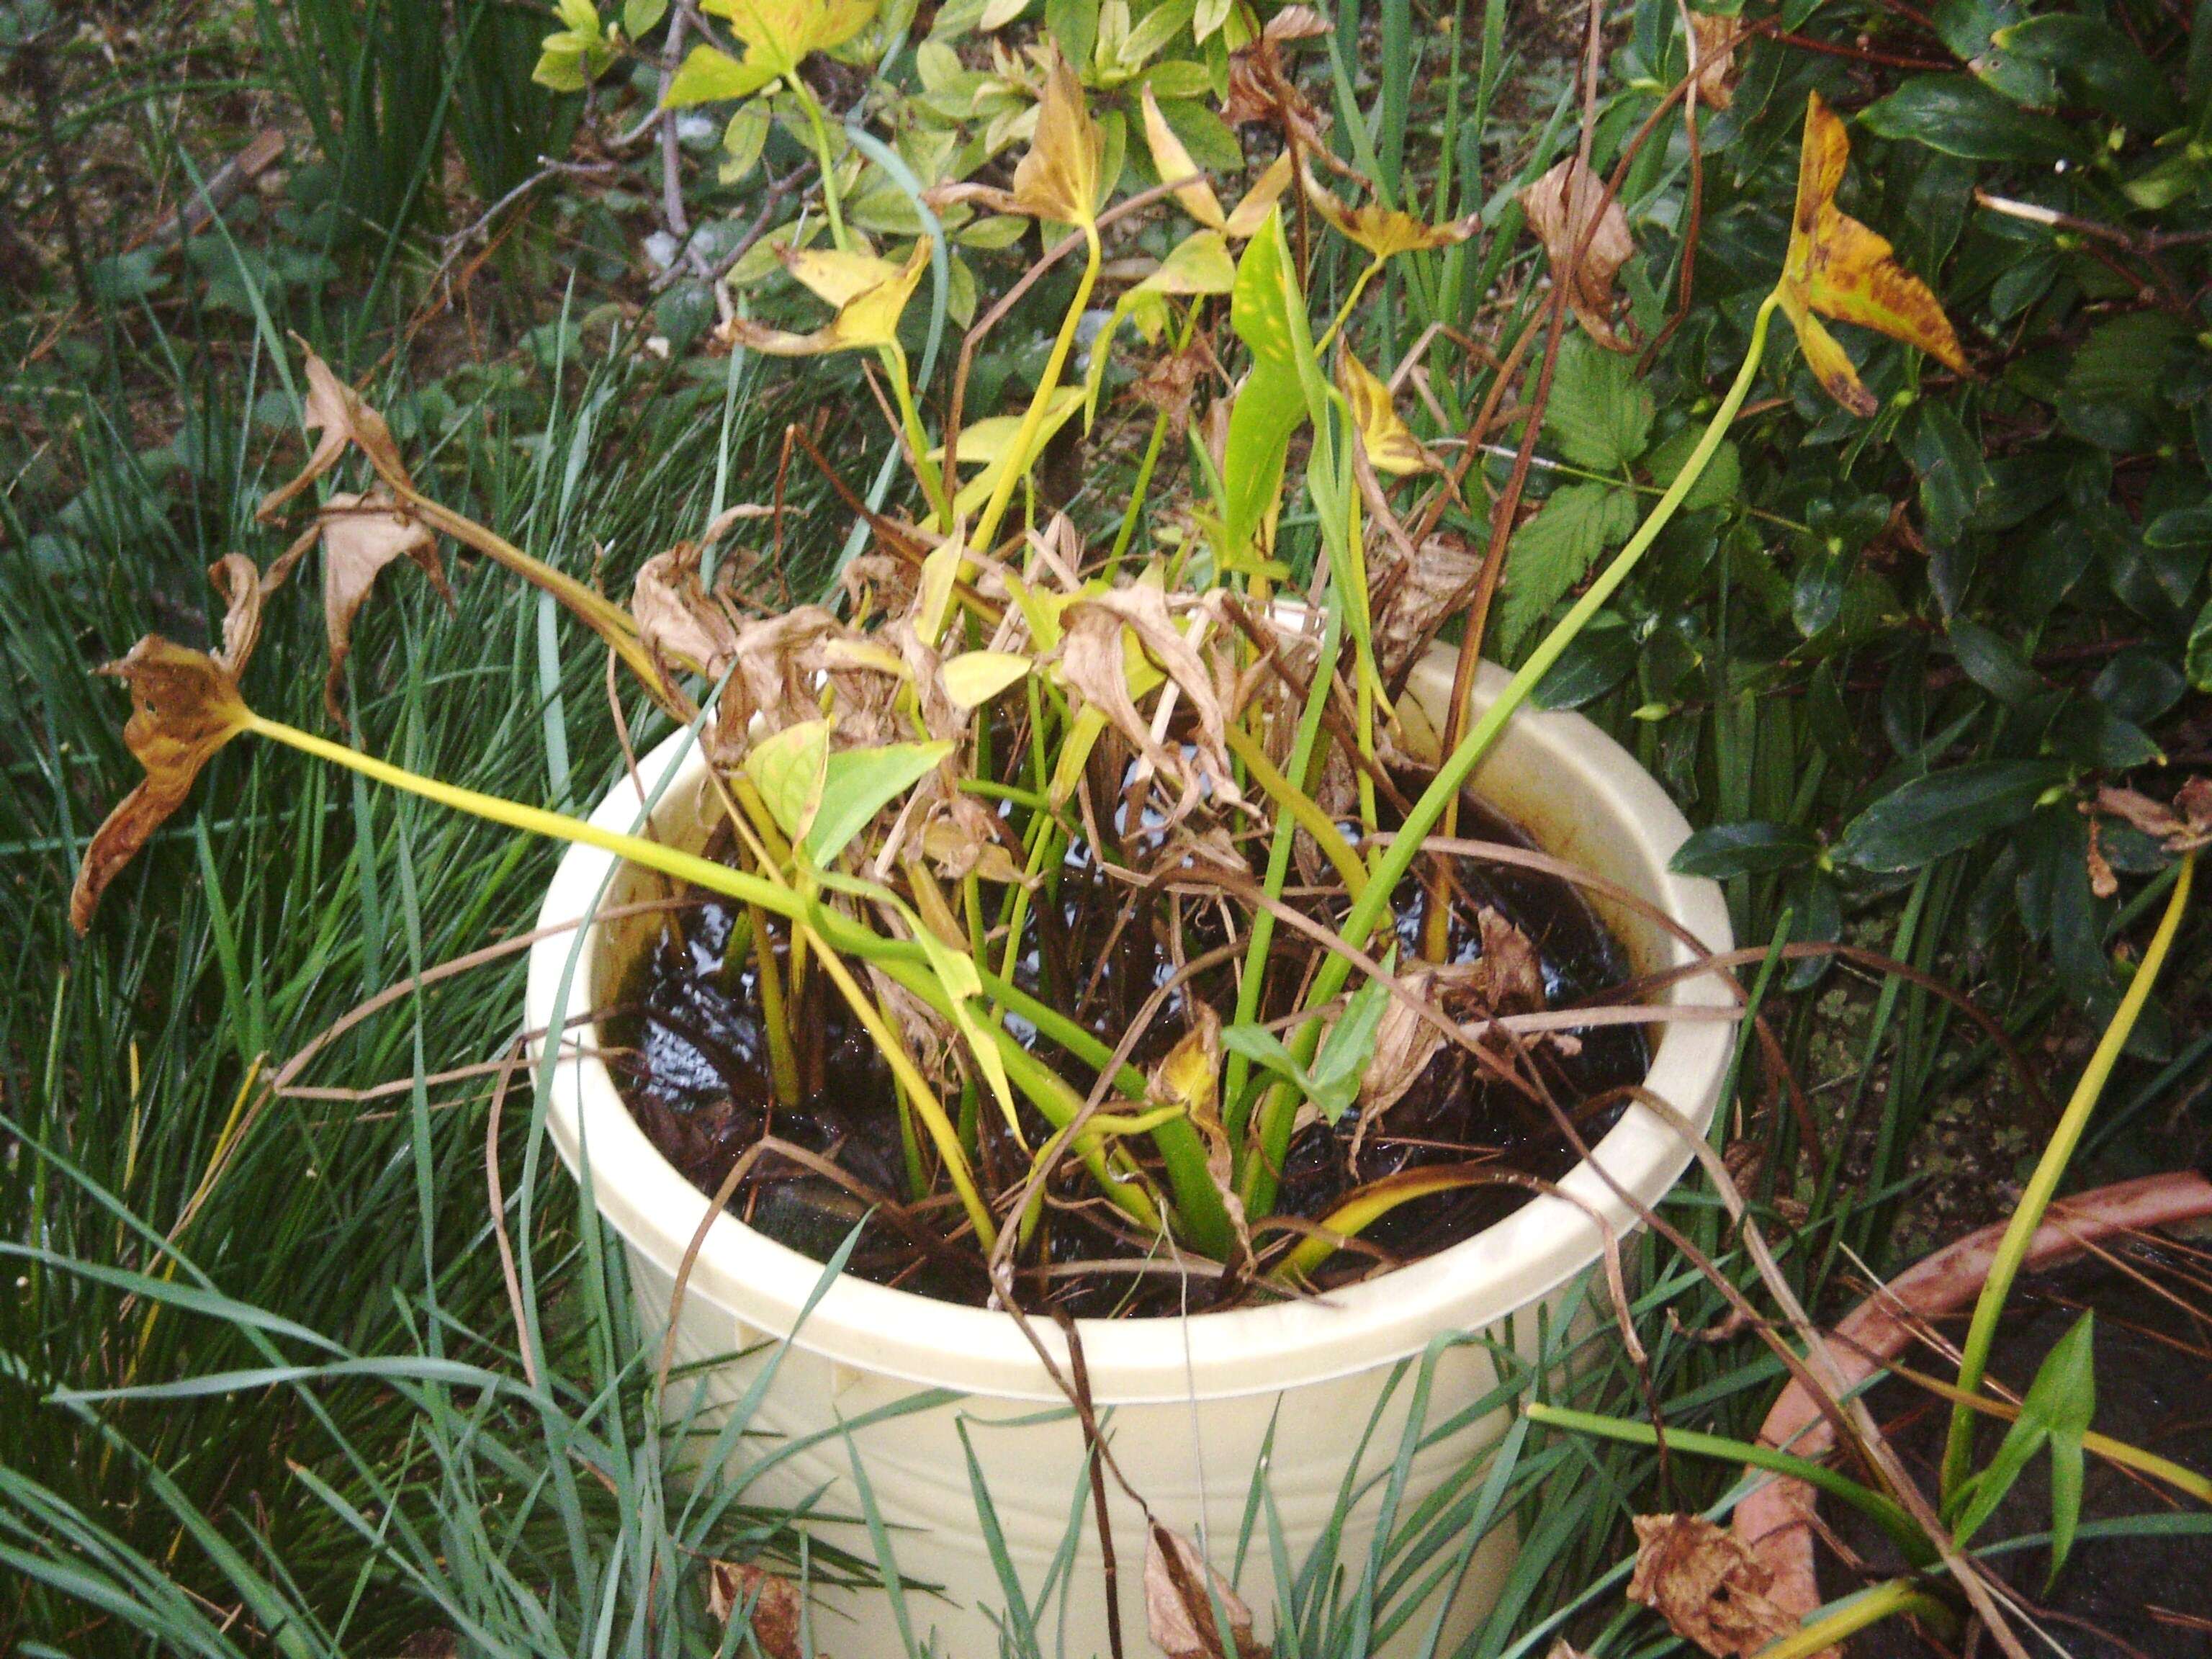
point(1368, 911)
point(820, 134)
point(2042, 1186)
point(1883, 1510)
point(1018, 457)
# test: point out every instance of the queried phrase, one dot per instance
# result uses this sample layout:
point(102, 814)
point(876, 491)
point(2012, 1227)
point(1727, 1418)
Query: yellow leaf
point(1058, 179)
point(974, 677)
point(778, 33)
point(1385, 232)
point(875, 295)
point(1841, 269)
point(1390, 444)
point(1172, 161)
point(1252, 211)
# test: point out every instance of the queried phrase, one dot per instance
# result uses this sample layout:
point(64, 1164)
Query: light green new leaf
point(1554, 549)
point(2056, 1412)
point(640, 15)
point(1598, 415)
point(1347, 1050)
point(709, 76)
point(789, 768)
point(857, 784)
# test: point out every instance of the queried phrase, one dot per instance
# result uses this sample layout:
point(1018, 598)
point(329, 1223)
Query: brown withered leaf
point(336, 411)
point(1562, 207)
point(1417, 595)
point(360, 535)
point(678, 621)
point(1404, 1043)
point(1707, 1584)
point(1508, 978)
point(2102, 882)
point(1181, 1592)
point(1093, 662)
point(1171, 383)
point(735, 1588)
point(2184, 827)
point(1839, 268)
point(1261, 89)
point(244, 589)
point(1714, 37)
point(185, 705)
point(1058, 179)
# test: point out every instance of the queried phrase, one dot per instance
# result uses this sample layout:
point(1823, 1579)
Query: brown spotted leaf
point(1390, 444)
point(336, 412)
point(360, 535)
point(1839, 268)
point(185, 705)
point(1563, 209)
point(1182, 1594)
point(1707, 1584)
point(768, 1602)
point(1384, 232)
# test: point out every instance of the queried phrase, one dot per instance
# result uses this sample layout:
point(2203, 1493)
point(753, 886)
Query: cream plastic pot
point(1191, 1405)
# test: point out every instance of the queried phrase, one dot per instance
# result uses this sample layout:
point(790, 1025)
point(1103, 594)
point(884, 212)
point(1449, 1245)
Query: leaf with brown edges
point(1182, 1595)
point(1839, 268)
point(185, 705)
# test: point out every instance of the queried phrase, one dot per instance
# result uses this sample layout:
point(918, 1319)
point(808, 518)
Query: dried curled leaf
point(360, 535)
point(1058, 179)
point(1707, 1584)
point(678, 621)
point(1094, 662)
point(1714, 37)
point(1390, 444)
point(768, 1602)
point(1181, 1594)
point(1415, 597)
point(1261, 89)
point(336, 411)
point(2184, 827)
point(185, 705)
point(1564, 207)
point(1839, 268)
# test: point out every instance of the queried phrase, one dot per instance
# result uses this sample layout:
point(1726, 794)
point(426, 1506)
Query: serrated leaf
point(1555, 548)
point(1721, 483)
point(974, 677)
point(708, 74)
point(1598, 413)
point(788, 769)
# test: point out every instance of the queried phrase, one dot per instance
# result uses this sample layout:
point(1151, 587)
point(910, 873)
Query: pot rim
point(763, 1288)
point(1776, 1520)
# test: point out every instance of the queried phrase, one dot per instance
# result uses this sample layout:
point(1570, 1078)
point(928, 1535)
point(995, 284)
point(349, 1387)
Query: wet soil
point(2146, 1594)
point(687, 1048)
